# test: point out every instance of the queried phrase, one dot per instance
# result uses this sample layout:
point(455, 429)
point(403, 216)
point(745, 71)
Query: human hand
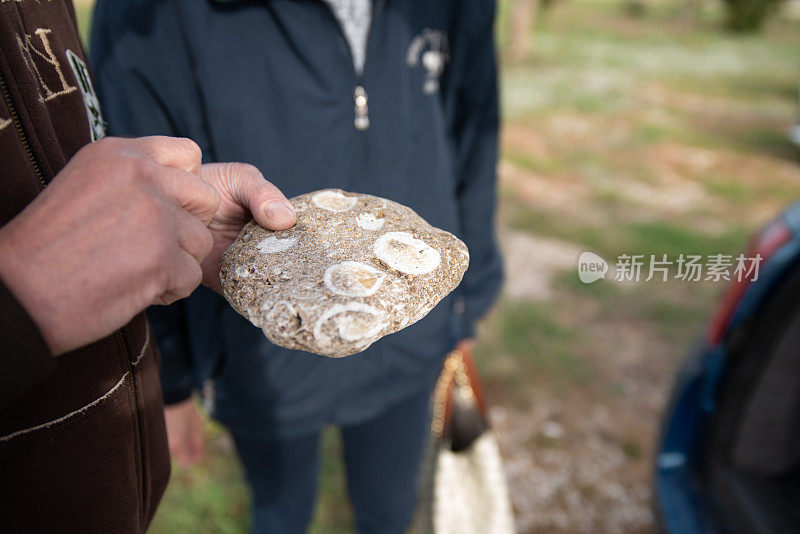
point(466, 345)
point(184, 433)
point(121, 227)
point(244, 193)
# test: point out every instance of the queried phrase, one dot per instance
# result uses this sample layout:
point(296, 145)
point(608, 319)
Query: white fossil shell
point(405, 253)
point(354, 321)
point(368, 221)
point(353, 279)
point(271, 244)
point(333, 201)
point(284, 316)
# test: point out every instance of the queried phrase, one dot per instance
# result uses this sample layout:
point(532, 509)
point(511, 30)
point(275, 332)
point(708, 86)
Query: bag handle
point(460, 373)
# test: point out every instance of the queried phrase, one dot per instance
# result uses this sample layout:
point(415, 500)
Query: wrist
point(16, 273)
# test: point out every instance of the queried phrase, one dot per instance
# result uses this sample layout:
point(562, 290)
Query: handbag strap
point(458, 373)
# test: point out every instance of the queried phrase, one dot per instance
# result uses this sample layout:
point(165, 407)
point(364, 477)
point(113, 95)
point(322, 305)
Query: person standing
point(394, 98)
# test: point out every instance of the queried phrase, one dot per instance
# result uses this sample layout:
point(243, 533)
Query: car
point(728, 454)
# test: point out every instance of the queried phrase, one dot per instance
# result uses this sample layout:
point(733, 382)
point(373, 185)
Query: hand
point(244, 193)
point(121, 227)
point(466, 345)
point(184, 433)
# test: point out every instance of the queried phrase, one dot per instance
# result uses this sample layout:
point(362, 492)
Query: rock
point(353, 269)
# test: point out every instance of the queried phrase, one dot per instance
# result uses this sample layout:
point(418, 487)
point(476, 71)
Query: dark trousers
point(382, 458)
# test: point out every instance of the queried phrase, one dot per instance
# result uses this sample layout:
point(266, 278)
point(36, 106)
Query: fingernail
point(279, 211)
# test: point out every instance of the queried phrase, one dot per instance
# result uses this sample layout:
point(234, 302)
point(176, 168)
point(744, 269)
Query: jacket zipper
point(126, 354)
point(361, 120)
point(361, 110)
point(137, 422)
point(20, 132)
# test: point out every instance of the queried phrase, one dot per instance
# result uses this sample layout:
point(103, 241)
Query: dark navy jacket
point(272, 83)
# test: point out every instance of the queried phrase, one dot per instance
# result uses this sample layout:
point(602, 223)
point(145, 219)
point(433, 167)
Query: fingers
point(193, 194)
point(194, 236)
point(176, 152)
point(246, 186)
point(196, 446)
point(210, 267)
point(184, 276)
point(184, 433)
point(176, 173)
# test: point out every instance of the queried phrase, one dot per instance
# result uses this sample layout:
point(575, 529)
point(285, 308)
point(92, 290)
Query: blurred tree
point(524, 15)
point(689, 11)
point(635, 8)
point(746, 16)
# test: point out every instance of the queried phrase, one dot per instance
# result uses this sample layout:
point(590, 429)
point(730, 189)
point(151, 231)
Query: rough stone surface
point(353, 269)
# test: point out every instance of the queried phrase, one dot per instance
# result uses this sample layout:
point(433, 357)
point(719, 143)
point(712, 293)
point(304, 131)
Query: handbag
point(462, 485)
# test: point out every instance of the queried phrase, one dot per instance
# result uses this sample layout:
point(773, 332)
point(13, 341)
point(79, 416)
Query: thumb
point(243, 188)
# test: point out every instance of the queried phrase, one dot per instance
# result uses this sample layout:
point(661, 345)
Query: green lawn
point(622, 135)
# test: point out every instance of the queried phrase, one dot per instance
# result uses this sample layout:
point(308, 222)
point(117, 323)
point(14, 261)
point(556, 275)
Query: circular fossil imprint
point(353, 279)
point(407, 254)
point(271, 244)
point(354, 321)
point(368, 221)
point(353, 269)
point(333, 201)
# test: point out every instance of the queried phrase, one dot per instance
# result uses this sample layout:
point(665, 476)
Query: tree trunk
point(689, 12)
point(523, 16)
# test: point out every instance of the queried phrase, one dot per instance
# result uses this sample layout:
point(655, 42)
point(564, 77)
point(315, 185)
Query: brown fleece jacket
point(82, 437)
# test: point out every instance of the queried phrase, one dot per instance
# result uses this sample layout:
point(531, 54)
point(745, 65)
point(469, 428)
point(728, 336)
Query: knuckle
point(135, 169)
point(190, 278)
point(200, 242)
point(167, 298)
point(195, 277)
point(163, 246)
point(249, 168)
point(207, 242)
point(187, 150)
point(192, 149)
point(156, 282)
point(151, 214)
point(162, 253)
point(146, 168)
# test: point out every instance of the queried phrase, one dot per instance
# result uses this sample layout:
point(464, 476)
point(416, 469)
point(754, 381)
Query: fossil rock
point(353, 269)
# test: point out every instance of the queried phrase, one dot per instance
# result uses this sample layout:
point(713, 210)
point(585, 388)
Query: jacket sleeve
point(125, 57)
point(24, 356)
point(473, 108)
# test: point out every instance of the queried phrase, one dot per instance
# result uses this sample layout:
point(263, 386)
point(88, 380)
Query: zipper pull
point(361, 121)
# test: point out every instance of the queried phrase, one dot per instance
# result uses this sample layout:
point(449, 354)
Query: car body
point(728, 456)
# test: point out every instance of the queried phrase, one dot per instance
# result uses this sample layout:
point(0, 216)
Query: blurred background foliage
point(650, 126)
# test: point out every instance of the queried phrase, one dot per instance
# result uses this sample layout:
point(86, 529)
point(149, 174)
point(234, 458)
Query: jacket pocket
point(77, 473)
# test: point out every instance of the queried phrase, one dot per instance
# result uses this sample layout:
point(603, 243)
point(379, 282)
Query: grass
point(212, 497)
point(637, 135)
point(207, 498)
point(632, 237)
point(83, 11)
point(540, 342)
